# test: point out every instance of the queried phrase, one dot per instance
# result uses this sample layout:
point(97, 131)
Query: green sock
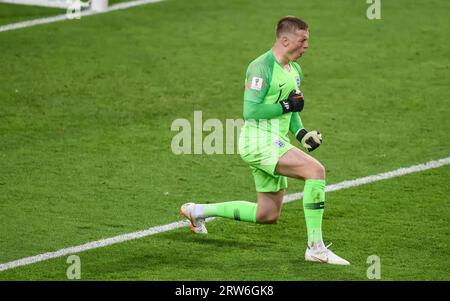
point(313, 205)
point(238, 210)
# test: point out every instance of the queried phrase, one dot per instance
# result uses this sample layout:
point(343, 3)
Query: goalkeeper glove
point(309, 140)
point(294, 103)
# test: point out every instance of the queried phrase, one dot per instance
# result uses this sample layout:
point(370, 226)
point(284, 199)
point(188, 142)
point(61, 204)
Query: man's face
point(296, 44)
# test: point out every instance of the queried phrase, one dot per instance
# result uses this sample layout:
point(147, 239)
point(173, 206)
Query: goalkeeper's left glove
point(309, 140)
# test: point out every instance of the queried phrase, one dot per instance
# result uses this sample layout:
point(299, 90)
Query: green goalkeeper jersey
point(267, 82)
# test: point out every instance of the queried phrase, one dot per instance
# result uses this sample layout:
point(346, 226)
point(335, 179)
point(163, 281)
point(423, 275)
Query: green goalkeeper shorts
point(263, 161)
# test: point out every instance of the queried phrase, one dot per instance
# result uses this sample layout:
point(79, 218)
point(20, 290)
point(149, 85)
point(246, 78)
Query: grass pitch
point(85, 113)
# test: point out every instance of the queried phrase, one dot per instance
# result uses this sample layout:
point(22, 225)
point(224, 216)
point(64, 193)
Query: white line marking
point(164, 228)
point(118, 6)
point(45, 3)
point(95, 244)
point(369, 179)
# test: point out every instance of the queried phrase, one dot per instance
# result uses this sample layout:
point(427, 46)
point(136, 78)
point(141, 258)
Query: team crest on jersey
point(297, 80)
point(279, 143)
point(257, 83)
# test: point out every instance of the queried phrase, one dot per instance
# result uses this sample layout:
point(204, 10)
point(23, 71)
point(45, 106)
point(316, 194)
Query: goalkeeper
point(272, 100)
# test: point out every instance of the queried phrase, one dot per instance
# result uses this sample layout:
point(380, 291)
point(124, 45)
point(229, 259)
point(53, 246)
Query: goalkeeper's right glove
point(309, 140)
point(294, 103)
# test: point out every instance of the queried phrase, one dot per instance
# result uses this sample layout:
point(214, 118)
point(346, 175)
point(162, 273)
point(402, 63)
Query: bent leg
point(299, 165)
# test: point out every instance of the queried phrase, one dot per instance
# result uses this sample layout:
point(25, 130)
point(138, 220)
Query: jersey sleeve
point(296, 123)
point(257, 111)
point(257, 82)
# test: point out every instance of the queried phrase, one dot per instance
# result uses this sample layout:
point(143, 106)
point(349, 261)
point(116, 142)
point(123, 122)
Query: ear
point(284, 40)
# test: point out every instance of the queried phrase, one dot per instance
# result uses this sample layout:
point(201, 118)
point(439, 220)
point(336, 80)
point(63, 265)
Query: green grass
point(400, 228)
point(85, 115)
point(10, 13)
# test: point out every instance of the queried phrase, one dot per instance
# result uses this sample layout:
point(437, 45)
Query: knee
point(316, 171)
point(320, 171)
point(267, 218)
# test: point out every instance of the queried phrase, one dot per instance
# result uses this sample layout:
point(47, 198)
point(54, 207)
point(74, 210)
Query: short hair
point(290, 24)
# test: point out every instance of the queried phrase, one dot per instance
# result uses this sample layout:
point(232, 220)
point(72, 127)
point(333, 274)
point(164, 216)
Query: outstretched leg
point(267, 211)
point(237, 210)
